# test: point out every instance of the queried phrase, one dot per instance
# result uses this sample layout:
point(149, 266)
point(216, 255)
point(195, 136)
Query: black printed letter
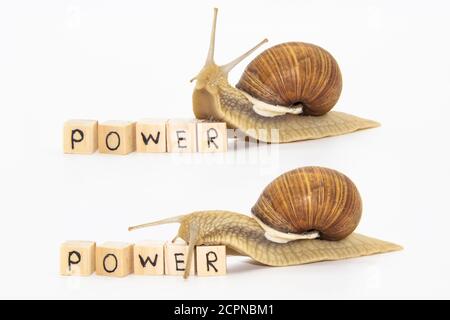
point(181, 139)
point(178, 261)
point(150, 137)
point(76, 140)
point(209, 262)
point(107, 142)
point(70, 261)
point(212, 137)
point(144, 262)
point(115, 263)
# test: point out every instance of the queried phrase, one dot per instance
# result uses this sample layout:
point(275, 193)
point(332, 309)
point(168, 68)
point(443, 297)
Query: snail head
point(210, 78)
point(190, 231)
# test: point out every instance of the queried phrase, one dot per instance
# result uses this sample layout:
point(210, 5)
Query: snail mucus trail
point(285, 94)
point(305, 215)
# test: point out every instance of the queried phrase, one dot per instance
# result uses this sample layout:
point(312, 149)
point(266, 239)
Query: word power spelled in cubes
point(211, 260)
point(149, 258)
point(80, 136)
point(77, 258)
point(114, 259)
point(119, 259)
point(145, 136)
point(151, 135)
point(117, 137)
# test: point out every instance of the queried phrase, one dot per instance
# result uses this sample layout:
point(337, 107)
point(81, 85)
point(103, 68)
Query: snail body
point(318, 228)
point(245, 236)
point(289, 88)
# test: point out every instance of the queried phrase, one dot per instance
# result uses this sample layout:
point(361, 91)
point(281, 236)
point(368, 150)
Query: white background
point(133, 59)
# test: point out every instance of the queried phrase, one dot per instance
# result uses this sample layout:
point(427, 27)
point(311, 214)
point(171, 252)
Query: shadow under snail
point(305, 215)
point(285, 94)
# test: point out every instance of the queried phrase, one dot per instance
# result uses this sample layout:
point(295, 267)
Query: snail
point(305, 215)
point(285, 94)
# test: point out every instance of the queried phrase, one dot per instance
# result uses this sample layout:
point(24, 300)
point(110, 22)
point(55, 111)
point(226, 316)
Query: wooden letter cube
point(181, 136)
point(77, 258)
point(151, 135)
point(80, 136)
point(114, 259)
point(149, 258)
point(117, 137)
point(175, 256)
point(212, 136)
point(211, 260)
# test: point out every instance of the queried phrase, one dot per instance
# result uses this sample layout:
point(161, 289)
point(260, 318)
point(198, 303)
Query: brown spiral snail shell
point(294, 74)
point(309, 202)
point(303, 216)
point(285, 94)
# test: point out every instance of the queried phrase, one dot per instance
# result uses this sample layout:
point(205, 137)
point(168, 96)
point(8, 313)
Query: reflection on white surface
point(241, 153)
point(373, 277)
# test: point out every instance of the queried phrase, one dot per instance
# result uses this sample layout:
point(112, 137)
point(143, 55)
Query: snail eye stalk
point(229, 66)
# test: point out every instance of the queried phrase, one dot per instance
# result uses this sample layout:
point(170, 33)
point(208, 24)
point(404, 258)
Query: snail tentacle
point(212, 41)
point(192, 242)
point(176, 219)
point(229, 66)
